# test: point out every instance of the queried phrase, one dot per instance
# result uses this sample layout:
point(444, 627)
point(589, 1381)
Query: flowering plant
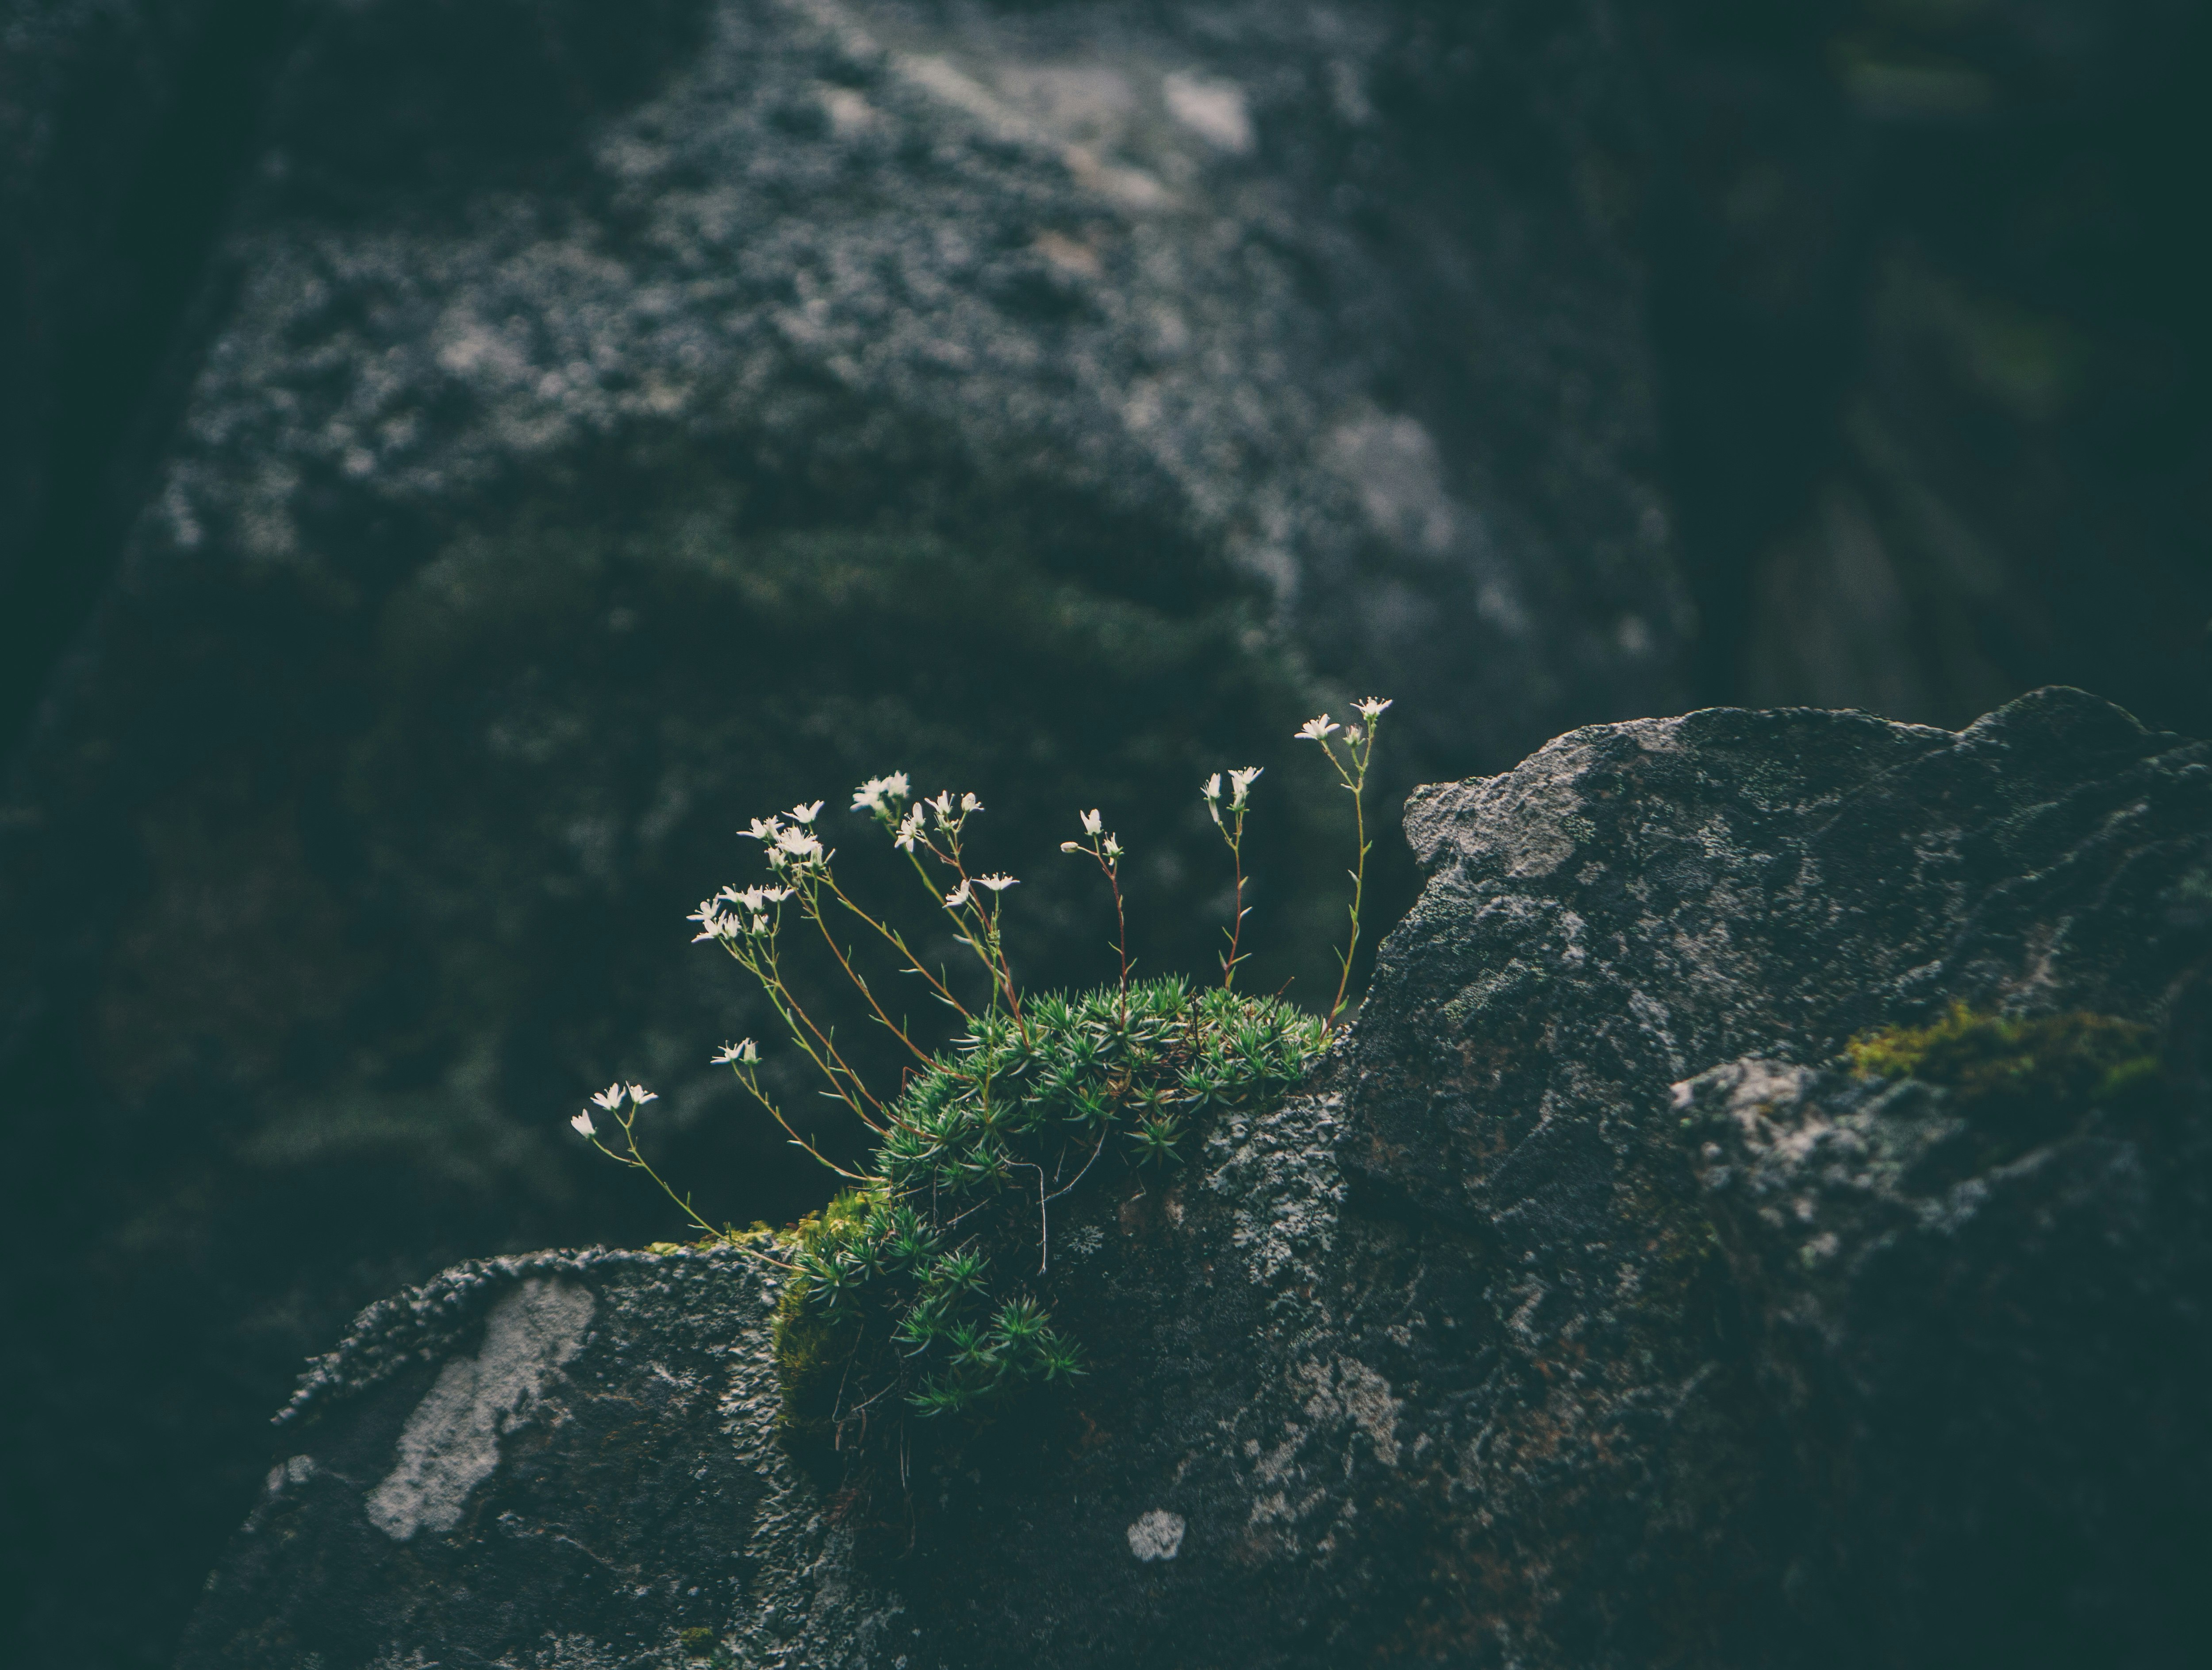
point(914, 1279)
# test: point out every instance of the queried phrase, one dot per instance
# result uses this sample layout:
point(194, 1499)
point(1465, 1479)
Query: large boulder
point(1586, 1310)
point(579, 426)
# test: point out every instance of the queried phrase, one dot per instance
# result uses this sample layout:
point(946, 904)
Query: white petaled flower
point(1093, 822)
point(1371, 709)
point(639, 1096)
point(774, 896)
point(1071, 847)
point(1240, 785)
point(909, 830)
point(798, 843)
point(1112, 848)
point(957, 897)
point(805, 814)
point(761, 927)
point(609, 1098)
point(1211, 788)
point(741, 1052)
point(942, 805)
point(583, 1123)
point(997, 884)
point(878, 792)
point(763, 829)
point(968, 803)
point(1314, 729)
point(1352, 733)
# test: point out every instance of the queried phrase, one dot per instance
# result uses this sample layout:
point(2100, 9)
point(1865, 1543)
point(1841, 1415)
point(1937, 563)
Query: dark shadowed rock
point(562, 429)
point(1541, 1329)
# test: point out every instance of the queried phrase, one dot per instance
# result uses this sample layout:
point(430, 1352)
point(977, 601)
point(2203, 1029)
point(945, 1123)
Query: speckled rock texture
point(1581, 1312)
point(568, 429)
point(564, 1460)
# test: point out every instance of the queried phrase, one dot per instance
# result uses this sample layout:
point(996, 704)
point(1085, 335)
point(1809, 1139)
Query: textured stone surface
point(628, 1490)
point(1541, 1329)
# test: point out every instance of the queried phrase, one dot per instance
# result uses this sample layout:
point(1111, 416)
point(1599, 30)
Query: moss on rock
point(2005, 1062)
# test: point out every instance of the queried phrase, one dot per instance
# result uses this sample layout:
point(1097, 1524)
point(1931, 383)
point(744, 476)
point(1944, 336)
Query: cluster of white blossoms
point(1321, 729)
point(877, 794)
point(750, 917)
point(1240, 789)
point(1107, 846)
point(611, 1100)
point(881, 796)
point(961, 895)
point(746, 922)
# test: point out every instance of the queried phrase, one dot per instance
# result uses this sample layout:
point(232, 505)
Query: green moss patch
point(927, 1289)
point(2003, 1065)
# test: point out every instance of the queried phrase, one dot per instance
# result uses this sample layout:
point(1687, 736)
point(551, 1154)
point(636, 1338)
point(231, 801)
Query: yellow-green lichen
point(2004, 1062)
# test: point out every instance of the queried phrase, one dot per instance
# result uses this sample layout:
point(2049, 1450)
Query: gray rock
point(1204, 283)
point(584, 1435)
point(1507, 1340)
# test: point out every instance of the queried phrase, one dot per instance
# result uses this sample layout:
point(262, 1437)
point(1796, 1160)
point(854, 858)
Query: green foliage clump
point(2008, 1065)
point(920, 1280)
point(911, 1281)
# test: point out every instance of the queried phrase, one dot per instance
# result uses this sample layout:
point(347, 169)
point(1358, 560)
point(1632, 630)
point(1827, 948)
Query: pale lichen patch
point(451, 1442)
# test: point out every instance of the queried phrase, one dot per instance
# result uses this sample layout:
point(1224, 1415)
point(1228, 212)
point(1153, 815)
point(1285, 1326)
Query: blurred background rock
point(460, 461)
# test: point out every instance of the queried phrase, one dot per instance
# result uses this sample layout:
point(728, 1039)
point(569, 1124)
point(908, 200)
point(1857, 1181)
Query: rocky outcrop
point(564, 430)
point(1584, 1311)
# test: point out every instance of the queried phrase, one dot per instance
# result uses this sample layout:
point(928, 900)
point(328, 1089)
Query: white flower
point(878, 792)
point(942, 805)
point(1352, 733)
point(744, 1051)
point(583, 1123)
point(763, 829)
point(1240, 785)
point(968, 803)
point(609, 1098)
point(797, 843)
point(1112, 848)
point(639, 1096)
point(1071, 846)
point(1371, 709)
point(998, 883)
point(957, 897)
point(1092, 822)
point(774, 896)
point(805, 814)
point(1314, 729)
point(909, 829)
